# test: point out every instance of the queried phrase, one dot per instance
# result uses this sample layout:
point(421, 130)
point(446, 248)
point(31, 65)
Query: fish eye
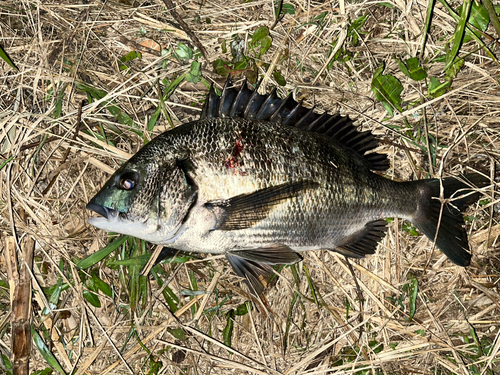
point(128, 181)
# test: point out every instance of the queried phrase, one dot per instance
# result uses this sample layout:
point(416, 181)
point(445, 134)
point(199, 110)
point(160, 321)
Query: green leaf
point(242, 309)
point(92, 298)
point(220, 67)
point(56, 293)
point(474, 36)
point(278, 5)
point(436, 88)
point(7, 363)
point(280, 8)
point(261, 39)
point(259, 34)
point(413, 297)
point(311, 286)
point(288, 9)
point(412, 69)
point(265, 44)
point(141, 260)
point(183, 52)
point(194, 74)
point(387, 90)
point(6, 58)
point(154, 119)
point(45, 352)
point(178, 333)
point(427, 25)
point(101, 254)
point(227, 332)
point(132, 55)
point(5, 162)
point(58, 109)
point(46, 371)
point(408, 228)
point(240, 65)
point(101, 285)
point(478, 18)
point(376, 346)
point(279, 78)
point(168, 294)
point(355, 28)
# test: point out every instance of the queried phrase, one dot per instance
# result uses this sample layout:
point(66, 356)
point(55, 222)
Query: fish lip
point(106, 212)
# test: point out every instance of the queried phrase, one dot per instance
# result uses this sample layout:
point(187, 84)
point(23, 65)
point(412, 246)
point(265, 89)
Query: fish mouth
point(106, 212)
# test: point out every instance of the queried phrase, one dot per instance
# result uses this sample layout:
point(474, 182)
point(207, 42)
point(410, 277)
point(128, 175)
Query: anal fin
point(255, 264)
point(166, 252)
point(364, 241)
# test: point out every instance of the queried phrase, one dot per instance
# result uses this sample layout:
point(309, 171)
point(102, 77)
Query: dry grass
point(59, 44)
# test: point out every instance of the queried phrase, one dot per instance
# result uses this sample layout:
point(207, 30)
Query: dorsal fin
point(245, 103)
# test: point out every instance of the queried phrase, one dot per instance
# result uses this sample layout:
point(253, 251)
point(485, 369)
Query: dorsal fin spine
point(278, 114)
point(267, 105)
point(304, 119)
point(296, 108)
point(211, 104)
point(249, 104)
point(238, 100)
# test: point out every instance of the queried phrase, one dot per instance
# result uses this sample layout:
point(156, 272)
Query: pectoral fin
point(245, 210)
point(255, 264)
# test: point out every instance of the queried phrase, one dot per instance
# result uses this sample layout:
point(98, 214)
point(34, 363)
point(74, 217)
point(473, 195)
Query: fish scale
point(261, 179)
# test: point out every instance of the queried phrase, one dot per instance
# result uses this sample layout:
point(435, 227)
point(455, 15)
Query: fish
point(262, 179)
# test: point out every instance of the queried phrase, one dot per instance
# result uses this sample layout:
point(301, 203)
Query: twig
point(20, 284)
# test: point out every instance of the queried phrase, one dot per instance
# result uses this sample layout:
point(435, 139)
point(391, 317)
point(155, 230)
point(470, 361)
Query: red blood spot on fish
point(233, 162)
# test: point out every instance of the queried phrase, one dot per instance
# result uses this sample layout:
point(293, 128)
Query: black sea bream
point(260, 179)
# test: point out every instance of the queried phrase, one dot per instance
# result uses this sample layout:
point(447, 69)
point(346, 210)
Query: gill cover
point(146, 199)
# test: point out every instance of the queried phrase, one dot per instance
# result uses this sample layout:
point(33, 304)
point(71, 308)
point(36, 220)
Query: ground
point(93, 81)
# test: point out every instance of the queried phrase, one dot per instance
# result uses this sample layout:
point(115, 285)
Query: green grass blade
point(427, 26)
point(493, 15)
point(289, 321)
point(5, 162)
point(413, 292)
point(472, 34)
point(311, 286)
point(459, 33)
point(101, 254)
point(194, 287)
point(7, 59)
point(170, 297)
point(45, 352)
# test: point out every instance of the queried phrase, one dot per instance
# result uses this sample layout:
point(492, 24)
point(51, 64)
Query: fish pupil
point(128, 181)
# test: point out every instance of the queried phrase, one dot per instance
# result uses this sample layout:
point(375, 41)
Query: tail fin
point(452, 237)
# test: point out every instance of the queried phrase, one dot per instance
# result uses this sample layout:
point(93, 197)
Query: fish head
point(145, 198)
